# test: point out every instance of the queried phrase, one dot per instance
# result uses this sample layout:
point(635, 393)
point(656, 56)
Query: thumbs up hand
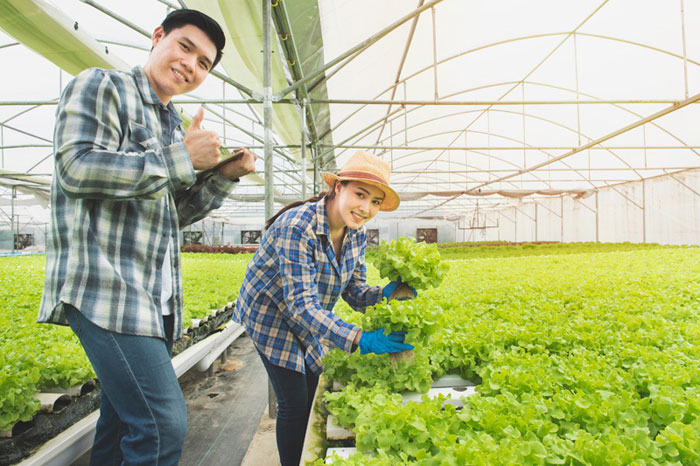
point(203, 146)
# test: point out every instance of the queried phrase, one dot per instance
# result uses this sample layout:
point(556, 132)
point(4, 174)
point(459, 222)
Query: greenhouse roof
point(470, 101)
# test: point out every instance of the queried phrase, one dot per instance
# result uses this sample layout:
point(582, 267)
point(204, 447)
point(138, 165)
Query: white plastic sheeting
point(493, 114)
point(663, 210)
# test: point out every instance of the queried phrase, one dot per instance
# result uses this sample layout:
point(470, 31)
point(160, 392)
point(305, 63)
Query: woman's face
point(358, 202)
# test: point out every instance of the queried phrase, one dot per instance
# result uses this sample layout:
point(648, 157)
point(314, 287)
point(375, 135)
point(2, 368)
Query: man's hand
point(203, 146)
point(241, 166)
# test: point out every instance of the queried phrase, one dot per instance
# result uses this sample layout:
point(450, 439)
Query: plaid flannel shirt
point(123, 185)
point(292, 284)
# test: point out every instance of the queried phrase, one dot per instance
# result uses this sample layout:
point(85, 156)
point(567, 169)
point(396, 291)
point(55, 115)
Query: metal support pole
point(644, 212)
point(267, 107)
point(12, 217)
point(303, 149)
point(269, 167)
point(317, 171)
point(597, 238)
point(499, 225)
point(536, 224)
point(435, 73)
point(223, 112)
point(685, 55)
point(561, 217)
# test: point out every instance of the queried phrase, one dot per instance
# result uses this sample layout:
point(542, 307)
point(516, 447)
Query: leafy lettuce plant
point(419, 318)
point(418, 264)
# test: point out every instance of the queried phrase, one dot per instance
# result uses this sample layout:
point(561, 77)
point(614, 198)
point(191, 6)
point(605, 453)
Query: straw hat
point(367, 168)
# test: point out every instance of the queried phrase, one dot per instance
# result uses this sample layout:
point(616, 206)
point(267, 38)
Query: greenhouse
point(547, 159)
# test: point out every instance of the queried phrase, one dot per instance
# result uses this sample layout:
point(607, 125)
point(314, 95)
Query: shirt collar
point(144, 86)
point(322, 227)
point(149, 96)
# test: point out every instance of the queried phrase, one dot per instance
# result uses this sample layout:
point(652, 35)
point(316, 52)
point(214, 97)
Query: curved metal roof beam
point(349, 55)
point(518, 141)
point(541, 62)
point(497, 158)
point(684, 144)
point(414, 23)
point(369, 128)
point(43, 159)
point(666, 111)
point(467, 178)
point(482, 170)
point(20, 113)
point(523, 142)
point(506, 161)
point(591, 96)
point(445, 60)
point(529, 37)
point(248, 133)
point(26, 133)
point(536, 36)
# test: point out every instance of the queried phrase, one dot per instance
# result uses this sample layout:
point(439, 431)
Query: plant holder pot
point(404, 356)
point(403, 291)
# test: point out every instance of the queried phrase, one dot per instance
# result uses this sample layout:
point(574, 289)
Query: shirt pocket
point(140, 138)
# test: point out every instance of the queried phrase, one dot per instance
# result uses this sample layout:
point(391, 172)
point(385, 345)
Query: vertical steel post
point(597, 239)
point(317, 170)
point(536, 226)
point(267, 108)
point(223, 112)
point(498, 225)
point(685, 56)
point(303, 149)
point(644, 211)
point(12, 217)
point(267, 120)
point(561, 216)
point(435, 73)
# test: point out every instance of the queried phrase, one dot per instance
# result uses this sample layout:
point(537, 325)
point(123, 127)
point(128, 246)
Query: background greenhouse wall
point(663, 210)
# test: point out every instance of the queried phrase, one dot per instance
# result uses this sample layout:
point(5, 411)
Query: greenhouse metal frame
point(552, 121)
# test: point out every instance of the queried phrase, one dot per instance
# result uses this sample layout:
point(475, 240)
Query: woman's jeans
point(295, 394)
point(143, 416)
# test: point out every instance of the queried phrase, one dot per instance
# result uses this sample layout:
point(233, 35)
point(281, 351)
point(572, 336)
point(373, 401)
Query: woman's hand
point(392, 286)
point(378, 343)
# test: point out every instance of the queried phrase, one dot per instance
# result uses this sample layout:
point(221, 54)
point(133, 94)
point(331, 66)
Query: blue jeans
point(143, 416)
point(295, 395)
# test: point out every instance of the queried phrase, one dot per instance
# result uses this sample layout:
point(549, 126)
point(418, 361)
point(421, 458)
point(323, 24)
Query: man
point(124, 184)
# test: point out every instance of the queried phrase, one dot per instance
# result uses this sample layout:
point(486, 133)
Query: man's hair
point(179, 18)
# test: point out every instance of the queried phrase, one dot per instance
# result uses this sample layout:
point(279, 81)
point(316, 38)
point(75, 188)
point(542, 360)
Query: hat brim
point(391, 198)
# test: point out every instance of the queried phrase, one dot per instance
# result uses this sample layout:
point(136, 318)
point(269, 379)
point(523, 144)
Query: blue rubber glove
point(386, 292)
point(378, 343)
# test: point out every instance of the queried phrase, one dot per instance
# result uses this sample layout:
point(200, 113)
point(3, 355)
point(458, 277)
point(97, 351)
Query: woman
point(312, 252)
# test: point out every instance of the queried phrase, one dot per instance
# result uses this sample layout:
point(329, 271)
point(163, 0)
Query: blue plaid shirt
point(292, 284)
point(123, 185)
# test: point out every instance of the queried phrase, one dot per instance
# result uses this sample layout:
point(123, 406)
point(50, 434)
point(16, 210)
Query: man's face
point(179, 61)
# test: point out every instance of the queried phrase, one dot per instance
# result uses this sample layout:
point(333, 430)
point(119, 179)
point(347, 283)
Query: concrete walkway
point(227, 413)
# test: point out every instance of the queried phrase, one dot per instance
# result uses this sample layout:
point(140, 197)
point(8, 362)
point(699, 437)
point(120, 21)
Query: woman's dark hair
point(330, 194)
point(208, 25)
